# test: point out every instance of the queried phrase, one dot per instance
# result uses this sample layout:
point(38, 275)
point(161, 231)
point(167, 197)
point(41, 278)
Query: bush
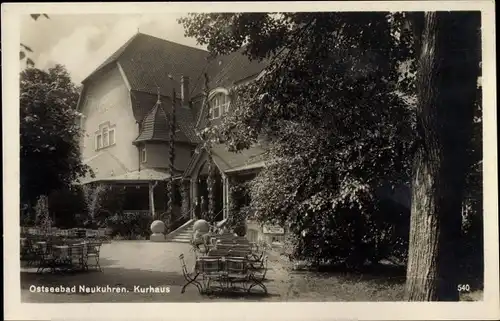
point(239, 211)
point(130, 225)
point(68, 208)
point(351, 227)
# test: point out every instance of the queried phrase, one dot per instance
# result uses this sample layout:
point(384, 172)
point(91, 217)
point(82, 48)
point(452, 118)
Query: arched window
point(219, 105)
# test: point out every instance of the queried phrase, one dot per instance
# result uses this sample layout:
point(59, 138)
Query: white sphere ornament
point(158, 227)
point(201, 226)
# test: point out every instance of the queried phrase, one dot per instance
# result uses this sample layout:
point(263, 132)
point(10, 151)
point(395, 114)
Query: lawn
point(131, 263)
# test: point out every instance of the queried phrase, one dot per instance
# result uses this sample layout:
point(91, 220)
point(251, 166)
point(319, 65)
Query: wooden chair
point(93, 252)
point(225, 238)
point(44, 259)
point(189, 277)
point(237, 272)
point(78, 256)
point(239, 253)
point(241, 248)
point(199, 248)
point(211, 270)
point(241, 240)
point(258, 275)
point(225, 247)
point(218, 253)
point(28, 252)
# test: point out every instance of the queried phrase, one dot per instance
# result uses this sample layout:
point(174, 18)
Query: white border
point(487, 309)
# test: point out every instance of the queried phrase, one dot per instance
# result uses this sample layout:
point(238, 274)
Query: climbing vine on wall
point(185, 198)
point(238, 210)
point(210, 163)
point(171, 185)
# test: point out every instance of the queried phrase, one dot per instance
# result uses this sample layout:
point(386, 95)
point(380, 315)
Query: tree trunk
point(446, 84)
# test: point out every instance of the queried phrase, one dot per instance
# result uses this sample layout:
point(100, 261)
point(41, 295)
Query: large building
point(127, 106)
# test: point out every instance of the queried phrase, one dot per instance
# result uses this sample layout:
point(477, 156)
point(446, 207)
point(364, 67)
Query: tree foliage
point(49, 132)
point(335, 105)
point(43, 218)
point(93, 194)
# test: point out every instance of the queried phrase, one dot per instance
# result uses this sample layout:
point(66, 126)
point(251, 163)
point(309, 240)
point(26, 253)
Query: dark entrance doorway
point(202, 208)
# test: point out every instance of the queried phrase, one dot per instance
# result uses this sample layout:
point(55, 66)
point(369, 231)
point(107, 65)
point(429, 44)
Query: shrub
point(68, 208)
point(350, 225)
point(239, 211)
point(130, 225)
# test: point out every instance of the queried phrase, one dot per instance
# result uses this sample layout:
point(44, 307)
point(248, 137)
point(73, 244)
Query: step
point(182, 234)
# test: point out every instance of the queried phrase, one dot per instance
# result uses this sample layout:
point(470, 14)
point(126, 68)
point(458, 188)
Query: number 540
point(463, 288)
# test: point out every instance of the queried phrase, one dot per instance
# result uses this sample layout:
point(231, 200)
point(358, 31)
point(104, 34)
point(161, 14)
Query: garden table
point(70, 256)
point(42, 245)
point(62, 251)
point(62, 257)
point(23, 243)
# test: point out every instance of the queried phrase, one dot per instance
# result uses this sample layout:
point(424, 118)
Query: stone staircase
point(182, 234)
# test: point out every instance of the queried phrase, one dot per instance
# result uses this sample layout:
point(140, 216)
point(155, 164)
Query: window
point(105, 136)
point(98, 141)
point(143, 154)
point(219, 105)
point(111, 136)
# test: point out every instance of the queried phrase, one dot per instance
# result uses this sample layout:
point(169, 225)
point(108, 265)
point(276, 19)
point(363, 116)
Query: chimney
point(185, 90)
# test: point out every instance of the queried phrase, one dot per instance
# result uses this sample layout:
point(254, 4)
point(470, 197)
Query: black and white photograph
point(214, 153)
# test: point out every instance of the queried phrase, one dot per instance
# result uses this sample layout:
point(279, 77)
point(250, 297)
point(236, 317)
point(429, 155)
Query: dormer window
point(219, 105)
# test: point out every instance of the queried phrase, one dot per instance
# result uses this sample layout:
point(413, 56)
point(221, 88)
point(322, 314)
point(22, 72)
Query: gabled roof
point(111, 59)
point(226, 161)
point(148, 61)
point(226, 71)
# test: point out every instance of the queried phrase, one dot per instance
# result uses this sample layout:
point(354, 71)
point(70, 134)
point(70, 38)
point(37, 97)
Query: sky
point(82, 42)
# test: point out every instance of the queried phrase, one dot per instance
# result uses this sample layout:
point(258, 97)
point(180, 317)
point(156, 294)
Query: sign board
point(273, 229)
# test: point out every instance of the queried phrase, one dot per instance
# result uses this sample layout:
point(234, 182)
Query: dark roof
point(155, 120)
point(226, 71)
point(156, 126)
point(148, 61)
point(111, 58)
point(227, 160)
